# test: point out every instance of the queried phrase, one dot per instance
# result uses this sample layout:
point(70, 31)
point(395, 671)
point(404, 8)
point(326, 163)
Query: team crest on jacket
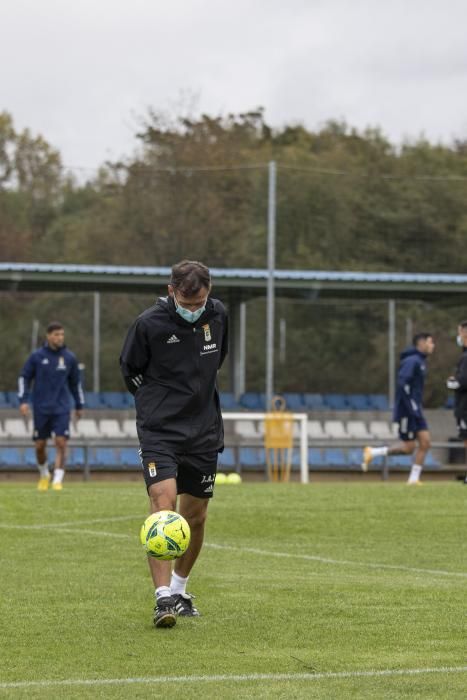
point(207, 332)
point(61, 363)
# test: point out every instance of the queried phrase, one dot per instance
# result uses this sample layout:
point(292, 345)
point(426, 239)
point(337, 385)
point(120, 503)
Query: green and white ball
point(165, 535)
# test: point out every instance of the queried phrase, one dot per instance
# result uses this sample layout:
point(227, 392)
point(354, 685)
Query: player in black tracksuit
point(459, 383)
point(169, 361)
point(171, 366)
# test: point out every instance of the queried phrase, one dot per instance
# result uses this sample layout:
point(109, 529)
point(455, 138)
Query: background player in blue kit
point(53, 372)
point(408, 408)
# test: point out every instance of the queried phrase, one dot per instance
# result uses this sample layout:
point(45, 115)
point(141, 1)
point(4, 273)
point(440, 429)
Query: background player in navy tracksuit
point(53, 372)
point(458, 382)
point(408, 408)
point(169, 361)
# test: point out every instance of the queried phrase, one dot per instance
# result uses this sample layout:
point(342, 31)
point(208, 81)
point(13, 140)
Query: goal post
point(300, 418)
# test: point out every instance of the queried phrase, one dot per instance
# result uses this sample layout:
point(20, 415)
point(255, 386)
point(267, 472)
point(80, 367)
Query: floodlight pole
point(34, 334)
point(96, 342)
point(408, 330)
point(270, 287)
point(391, 352)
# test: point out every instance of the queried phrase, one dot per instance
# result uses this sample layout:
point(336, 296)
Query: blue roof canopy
point(244, 282)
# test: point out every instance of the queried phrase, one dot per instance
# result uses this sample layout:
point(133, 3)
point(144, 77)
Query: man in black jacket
point(169, 361)
point(459, 383)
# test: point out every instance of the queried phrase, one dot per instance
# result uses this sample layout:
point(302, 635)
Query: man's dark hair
point(189, 276)
point(463, 324)
point(54, 326)
point(421, 336)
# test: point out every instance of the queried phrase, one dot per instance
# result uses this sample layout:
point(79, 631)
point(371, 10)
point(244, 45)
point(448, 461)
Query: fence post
point(87, 468)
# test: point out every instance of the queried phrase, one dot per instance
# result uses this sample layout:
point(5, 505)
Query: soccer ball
point(234, 478)
point(165, 535)
point(221, 478)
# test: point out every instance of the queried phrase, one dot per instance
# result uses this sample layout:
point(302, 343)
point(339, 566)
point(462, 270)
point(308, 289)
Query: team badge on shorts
point(207, 332)
point(152, 469)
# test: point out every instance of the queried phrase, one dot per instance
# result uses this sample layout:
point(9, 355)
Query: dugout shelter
point(237, 285)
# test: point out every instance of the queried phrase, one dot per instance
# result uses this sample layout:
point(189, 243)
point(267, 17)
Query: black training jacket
point(171, 367)
point(461, 393)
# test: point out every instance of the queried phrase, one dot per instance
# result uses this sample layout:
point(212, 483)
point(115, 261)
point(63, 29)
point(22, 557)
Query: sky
point(84, 73)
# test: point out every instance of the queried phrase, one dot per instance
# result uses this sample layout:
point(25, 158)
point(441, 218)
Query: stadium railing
point(249, 401)
point(87, 457)
point(112, 443)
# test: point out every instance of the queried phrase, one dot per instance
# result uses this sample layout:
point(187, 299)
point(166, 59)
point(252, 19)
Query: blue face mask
point(190, 316)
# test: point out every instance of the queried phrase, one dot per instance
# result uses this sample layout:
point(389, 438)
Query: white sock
point(414, 475)
point(43, 470)
point(178, 584)
point(58, 476)
point(378, 451)
point(162, 592)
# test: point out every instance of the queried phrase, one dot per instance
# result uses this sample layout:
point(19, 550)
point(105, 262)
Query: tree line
point(198, 188)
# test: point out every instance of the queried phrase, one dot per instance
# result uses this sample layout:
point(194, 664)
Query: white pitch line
point(68, 530)
point(116, 519)
point(339, 562)
point(251, 550)
point(98, 533)
point(73, 522)
point(244, 678)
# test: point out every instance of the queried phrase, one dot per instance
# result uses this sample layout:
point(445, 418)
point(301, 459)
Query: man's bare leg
point(403, 447)
point(61, 445)
point(162, 496)
point(42, 465)
point(194, 510)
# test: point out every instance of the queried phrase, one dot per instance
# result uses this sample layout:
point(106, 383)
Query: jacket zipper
point(198, 375)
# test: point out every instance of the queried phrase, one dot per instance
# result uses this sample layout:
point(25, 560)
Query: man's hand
point(452, 383)
point(24, 409)
point(78, 413)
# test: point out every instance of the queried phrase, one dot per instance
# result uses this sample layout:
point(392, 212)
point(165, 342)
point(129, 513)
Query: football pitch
point(348, 590)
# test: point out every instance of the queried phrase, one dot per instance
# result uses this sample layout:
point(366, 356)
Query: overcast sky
point(82, 73)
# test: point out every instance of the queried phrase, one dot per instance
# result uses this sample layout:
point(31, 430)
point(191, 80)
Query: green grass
point(76, 597)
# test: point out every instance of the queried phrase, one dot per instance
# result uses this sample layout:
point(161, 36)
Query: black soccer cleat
point(164, 612)
point(184, 605)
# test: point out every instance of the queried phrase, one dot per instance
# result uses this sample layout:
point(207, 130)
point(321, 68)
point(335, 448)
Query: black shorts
point(462, 426)
point(195, 473)
point(409, 426)
point(45, 425)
